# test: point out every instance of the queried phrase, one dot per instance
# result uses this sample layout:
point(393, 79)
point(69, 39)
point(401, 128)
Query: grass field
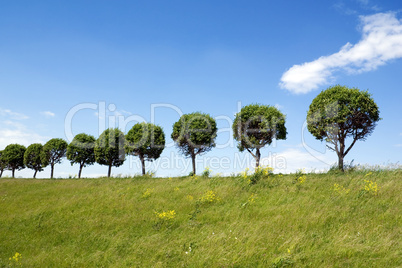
point(315, 220)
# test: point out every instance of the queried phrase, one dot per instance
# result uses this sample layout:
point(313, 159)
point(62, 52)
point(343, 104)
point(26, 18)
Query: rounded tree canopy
point(81, 149)
point(2, 163)
point(344, 111)
point(13, 156)
point(109, 148)
point(257, 125)
point(195, 133)
point(53, 151)
point(145, 139)
point(32, 156)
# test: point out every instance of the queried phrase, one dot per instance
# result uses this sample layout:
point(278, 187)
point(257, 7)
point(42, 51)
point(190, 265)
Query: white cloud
point(14, 132)
point(48, 114)
point(296, 158)
point(367, 5)
point(12, 115)
point(381, 42)
point(341, 7)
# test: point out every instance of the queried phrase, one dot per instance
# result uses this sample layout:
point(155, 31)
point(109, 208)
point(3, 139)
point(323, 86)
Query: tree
point(146, 141)
point(81, 151)
point(53, 152)
point(13, 157)
point(340, 112)
point(256, 126)
point(32, 158)
point(3, 165)
point(194, 134)
point(109, 149)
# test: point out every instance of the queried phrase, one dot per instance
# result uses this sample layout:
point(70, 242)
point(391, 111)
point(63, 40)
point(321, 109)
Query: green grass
point(109, 223)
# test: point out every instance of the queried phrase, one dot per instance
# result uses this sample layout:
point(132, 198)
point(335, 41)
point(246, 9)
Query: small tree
point(13, 157)
point(3, 165)
point(146, 141)
point(256, 126)
point(32, 158)
point(53, 152)
point(109, 149)
point(340, 112)
point(81, 151)
point(194, 134)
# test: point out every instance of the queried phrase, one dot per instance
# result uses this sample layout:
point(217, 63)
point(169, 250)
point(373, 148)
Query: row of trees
point(16, 157)
point(194, 134)
point(335, 114)
point(109, 149)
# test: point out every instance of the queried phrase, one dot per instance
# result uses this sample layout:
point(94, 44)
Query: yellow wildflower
point(166, 215)
point(209, 197)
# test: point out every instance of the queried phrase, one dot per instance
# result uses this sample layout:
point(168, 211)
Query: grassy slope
point(108, 222)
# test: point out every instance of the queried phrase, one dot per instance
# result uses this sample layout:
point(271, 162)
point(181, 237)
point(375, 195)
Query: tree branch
point(350, 147)
point(251, 153)
point(330, 148)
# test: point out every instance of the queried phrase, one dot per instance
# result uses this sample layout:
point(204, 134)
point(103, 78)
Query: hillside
point(316, 220)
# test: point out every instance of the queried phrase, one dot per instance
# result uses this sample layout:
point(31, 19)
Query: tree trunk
point(193, 161)
point(79, 172)
point(340, 162)
point(51, 170)
point(13, 172)
point(341, 154)
point(257, 158)
point(109, 171)
point(36, 171)
point(142, 164)
point(1, 173)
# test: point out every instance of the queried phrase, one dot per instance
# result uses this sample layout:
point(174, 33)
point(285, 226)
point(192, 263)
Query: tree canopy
point(194, 134)
point(3, 165)
point(256, 126)
point(13, 157)
point(146, 141)
point(32, 158)
point(109, 149)
point(81, 151)
point(340, 112)
point(53, 152)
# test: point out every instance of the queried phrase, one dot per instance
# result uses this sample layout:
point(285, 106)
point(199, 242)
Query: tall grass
point(220, 222)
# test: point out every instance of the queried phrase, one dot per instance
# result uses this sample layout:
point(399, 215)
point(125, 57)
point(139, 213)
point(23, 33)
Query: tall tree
point(340, 112)
point(3, 165)
point(109, 149)
point(146, 141)
point(256, 126)
point(13, 157)
point(81, 151)
point(194, 134)
point(32, 158)
point(53, 152)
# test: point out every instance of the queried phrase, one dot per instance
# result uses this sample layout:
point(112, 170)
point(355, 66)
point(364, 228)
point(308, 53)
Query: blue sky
point(68, 67)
